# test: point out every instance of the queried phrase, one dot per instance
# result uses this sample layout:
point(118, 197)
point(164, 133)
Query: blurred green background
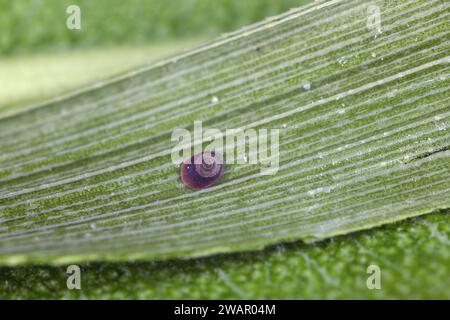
point(40, 25)
point(40, 58)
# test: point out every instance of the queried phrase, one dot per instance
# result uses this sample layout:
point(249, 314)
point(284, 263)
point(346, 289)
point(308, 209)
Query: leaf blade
point(366, 142)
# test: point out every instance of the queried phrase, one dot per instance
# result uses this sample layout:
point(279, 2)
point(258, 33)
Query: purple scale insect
point(202, 170)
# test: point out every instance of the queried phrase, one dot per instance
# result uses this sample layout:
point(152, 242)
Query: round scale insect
point(202, 170)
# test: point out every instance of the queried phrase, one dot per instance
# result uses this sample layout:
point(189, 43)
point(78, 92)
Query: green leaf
point(412, 255)
point(364, 141)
